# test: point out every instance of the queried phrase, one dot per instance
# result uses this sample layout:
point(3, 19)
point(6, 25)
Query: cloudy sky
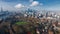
point(33, 4)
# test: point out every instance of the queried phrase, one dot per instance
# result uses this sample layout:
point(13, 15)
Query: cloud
point(35, 3)
point(18, 6)
point(30, 0)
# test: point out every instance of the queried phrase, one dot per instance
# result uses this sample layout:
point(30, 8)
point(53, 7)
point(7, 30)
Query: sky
point(33, 4)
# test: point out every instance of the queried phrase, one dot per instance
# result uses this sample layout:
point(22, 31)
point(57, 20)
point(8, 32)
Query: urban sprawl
point(29, 22)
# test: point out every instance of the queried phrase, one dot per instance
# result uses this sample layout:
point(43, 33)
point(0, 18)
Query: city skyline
point(33, 4)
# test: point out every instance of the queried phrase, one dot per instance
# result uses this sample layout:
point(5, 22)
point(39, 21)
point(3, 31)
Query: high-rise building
point(1, 9)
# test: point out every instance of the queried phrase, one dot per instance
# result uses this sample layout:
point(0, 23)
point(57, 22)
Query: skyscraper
point(1, 9)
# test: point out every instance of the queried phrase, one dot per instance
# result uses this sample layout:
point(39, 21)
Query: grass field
point(21, 23)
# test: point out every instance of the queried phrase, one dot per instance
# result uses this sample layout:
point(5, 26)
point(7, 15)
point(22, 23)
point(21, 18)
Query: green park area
point(21, 23)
